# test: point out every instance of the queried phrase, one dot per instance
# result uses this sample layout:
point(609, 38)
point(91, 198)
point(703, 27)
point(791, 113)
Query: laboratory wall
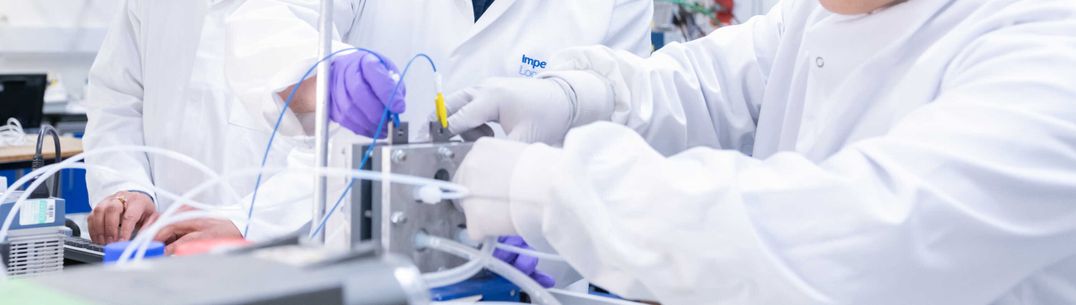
point(58, 37)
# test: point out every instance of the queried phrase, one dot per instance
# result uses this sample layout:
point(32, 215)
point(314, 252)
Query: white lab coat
point(157, 81)
point(922, 154)
point(272, 43)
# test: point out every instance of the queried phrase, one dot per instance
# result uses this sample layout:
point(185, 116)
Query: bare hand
point(117, 217)
point(177, 234)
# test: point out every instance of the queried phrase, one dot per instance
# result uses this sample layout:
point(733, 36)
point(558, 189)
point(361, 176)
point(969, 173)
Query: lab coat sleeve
point(283, 205)
point(114, 110)
point(629, 27)
point(271, 44)
point(702, 93)
point(961, 200)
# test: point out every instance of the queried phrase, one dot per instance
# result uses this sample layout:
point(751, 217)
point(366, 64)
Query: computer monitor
point(22, 96)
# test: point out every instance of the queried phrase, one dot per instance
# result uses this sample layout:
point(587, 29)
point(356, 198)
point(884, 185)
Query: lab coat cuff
point(531, 189)
point(590, 94)
point(239, 220)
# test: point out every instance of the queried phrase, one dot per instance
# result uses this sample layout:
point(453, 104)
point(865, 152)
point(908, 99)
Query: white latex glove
point(487, 172)
point(531, 110)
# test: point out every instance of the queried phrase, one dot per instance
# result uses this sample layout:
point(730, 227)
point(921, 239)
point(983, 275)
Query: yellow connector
point(442, 111)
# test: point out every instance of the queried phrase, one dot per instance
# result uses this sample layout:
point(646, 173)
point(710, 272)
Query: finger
point(174, 231)
point(185, 208)
point(94, 223)
point(166, 235)
point(473, 114)
point(543, 279)
point(456, 100)
point(505, 256)
point(171, 247)
point(526, 263)
point(476, 133)
point(385, 82)
point(111, 219)
point(513, 241)
point(130, 219)
point(150, 220)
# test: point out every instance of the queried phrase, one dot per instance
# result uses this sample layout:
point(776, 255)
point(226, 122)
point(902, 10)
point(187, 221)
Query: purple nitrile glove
point(527, 264)
point(360, 85)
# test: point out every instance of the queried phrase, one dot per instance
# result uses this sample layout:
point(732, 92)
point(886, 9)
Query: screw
point(446, 153)
point(399, 156)
point(398, 218)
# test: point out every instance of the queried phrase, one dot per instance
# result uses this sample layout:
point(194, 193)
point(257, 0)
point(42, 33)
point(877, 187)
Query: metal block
point(393, 215)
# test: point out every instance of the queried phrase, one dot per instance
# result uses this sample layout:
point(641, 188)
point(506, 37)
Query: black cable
point(39, 159)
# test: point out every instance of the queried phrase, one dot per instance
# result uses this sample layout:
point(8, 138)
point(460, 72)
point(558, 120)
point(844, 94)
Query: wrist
point(144, 193)
point(590, 95)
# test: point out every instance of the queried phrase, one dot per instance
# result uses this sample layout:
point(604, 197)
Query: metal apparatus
point(321, 129)
point(35, 244)
point(391, 215)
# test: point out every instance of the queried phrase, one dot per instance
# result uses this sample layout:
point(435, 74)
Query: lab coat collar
point(495, 11)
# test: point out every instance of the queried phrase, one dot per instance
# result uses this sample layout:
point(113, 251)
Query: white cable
point(48, 171)
point(456, 191)
point(156, 227)
point(538, 294)
point(529, 252)
point(460, 273)
point(12, 133)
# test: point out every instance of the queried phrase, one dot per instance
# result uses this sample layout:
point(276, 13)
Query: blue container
point(73, 189)
point(114, 250)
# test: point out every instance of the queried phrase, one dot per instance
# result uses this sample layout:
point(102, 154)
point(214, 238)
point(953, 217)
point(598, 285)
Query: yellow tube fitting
point(442, 111)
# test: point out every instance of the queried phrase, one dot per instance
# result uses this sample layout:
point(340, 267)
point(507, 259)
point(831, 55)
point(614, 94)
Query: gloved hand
point(527, 264)
point(487, 173)
point(530, 110)
point(360, 86)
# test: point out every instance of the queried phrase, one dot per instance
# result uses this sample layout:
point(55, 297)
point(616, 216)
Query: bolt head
point(398, 218)
point(399, 156)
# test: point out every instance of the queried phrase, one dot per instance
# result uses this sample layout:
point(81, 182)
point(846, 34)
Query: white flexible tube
point(460, 273)
point(158, 226)
point(142, 241)
point(12, 133)
point(529, 252)
point(538, 294)
point(50, 170)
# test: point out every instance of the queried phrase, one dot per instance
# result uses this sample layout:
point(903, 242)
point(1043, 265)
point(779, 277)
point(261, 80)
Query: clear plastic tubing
point(50, 170)
point(461, 273)
point(537, 293)
point(457, 191)
point(157, 227)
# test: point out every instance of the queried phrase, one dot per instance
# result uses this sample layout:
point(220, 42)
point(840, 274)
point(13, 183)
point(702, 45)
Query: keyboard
point(83, 250)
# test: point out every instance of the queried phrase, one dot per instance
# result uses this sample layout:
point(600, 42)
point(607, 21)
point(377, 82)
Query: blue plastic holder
point(490, 286)
point(114, 250)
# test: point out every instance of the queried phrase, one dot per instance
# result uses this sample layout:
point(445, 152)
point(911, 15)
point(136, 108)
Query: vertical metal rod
point(321, 149)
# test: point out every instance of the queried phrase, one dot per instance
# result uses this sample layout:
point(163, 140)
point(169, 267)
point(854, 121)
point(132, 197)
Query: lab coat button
point(820, 62)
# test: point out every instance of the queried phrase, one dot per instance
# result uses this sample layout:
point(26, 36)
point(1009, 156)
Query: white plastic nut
point(429, 194)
